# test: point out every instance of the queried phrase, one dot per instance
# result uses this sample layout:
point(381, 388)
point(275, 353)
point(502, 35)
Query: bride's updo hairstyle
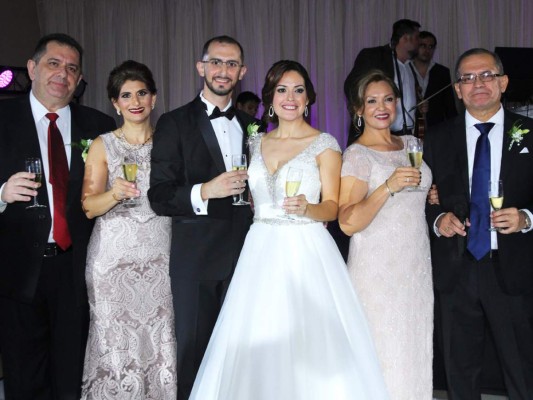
point(274, 75)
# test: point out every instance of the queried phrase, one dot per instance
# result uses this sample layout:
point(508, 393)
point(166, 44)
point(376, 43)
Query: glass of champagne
point(238, 162)
point(415, 152)
point(292, 183)
point(129, 167)
point(495, 198)
point(34, 165)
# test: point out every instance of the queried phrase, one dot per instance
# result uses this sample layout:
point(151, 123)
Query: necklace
point(122, 136)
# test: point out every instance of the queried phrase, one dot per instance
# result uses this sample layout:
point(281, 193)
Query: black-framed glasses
point(486, 76)
point(216, 63)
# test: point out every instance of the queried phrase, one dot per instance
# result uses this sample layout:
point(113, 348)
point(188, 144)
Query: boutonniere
point(252, 130)
point(83, 145)
point(516, 134)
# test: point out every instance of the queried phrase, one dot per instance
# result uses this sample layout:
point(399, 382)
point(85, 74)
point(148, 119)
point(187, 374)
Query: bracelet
point(388, 188)
point(114, 197)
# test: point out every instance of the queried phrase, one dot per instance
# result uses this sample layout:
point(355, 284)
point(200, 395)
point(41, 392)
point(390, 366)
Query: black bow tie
point(228, 114)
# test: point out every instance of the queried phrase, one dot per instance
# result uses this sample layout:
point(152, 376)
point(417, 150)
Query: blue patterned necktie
point(479, 234)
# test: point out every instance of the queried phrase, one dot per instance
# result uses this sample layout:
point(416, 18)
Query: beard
point(217, 91)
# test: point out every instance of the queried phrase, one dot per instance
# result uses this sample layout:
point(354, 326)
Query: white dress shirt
point(409, 97)
point(229, 137)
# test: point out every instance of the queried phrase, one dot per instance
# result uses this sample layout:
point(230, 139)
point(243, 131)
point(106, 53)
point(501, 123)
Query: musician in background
point(392, 59)
point(431, 78)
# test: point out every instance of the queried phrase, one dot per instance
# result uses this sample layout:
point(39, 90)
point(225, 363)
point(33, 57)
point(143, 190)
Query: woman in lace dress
point(291, 326)
point(131, 350)
point(389, 259)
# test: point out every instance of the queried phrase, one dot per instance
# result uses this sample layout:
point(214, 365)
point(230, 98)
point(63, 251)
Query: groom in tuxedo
point(43, 299)
point(193, 182)
point(484, 279)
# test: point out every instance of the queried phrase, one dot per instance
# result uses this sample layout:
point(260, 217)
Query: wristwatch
point(526, 219)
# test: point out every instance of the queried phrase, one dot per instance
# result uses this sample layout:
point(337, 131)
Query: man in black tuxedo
point(431, 78)
point(43, 306)
point(484, 279)
point(192, 181)
point(392, 59)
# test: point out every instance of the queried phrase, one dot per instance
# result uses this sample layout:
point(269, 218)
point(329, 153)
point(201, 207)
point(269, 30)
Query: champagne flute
point(238, 162)
point(495, 198)
point(292, 183)
point(34, 166)
point(130, 167)
point(415, 152)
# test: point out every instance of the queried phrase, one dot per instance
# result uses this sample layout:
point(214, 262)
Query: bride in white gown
point(291, 327)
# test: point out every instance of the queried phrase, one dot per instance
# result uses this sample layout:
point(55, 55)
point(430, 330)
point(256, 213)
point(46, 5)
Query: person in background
point(432, 78)
point(131, 351)
point(484, 278)
point(392, 59)
point(43, 299)
point(291, 326)
point(248, 102)
point(192, 181)
point(389, 258)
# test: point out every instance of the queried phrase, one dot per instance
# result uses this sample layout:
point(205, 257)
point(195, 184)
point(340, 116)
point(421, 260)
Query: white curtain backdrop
point(324, 35)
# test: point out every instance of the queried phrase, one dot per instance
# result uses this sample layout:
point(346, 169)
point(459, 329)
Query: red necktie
point(57, 159)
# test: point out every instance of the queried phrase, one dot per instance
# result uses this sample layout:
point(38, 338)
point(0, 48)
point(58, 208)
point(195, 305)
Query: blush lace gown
point(390, 266)
point(291, 327)
point(131, 350)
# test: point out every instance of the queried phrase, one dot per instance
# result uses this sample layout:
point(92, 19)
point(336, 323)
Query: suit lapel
point(208, 133)
point(459, 138)
point(240, 117)
point(505, 167)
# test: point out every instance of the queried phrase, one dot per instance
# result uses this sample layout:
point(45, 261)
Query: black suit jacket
point(442, 106)
point(446, 154)
point(185, 153)
point(368, 59)
point(24, 233)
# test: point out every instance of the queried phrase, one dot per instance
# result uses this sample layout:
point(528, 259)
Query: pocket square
point(525, 150)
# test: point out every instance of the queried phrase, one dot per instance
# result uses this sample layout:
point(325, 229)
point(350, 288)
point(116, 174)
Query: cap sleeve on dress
point(355, 163)
point(326, 141)
point(254, 143)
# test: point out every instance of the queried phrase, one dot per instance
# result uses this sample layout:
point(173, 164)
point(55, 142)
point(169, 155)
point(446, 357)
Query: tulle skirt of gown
point(291, 326)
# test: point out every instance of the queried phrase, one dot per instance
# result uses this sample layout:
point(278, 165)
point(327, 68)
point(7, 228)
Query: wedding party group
point(193, 261)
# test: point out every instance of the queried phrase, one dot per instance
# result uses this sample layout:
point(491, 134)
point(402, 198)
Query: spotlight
point(14, 80)
point(6, 76)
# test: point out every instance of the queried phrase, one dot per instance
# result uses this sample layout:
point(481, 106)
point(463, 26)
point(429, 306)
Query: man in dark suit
point(432, 78)
point(392, 59)
point(192, 181)
point(484, 279)
point(43, 307)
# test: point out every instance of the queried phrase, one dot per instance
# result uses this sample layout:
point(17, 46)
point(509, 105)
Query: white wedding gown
point(291, 327)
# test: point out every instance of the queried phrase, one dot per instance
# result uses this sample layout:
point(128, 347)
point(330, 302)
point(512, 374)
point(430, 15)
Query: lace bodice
point(268, 190)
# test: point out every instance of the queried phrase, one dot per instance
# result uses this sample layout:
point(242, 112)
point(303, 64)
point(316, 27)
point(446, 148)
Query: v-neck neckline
point(289, 160)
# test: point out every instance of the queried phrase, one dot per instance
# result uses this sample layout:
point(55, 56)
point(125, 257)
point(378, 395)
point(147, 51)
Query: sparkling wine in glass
point(238, 162)
point(34, 165)
point(130, 167)
point(415, 152)
point(495, 198)
point(292, 183)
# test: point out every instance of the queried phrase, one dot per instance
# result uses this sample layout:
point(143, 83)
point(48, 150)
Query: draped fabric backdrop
point(324, 35)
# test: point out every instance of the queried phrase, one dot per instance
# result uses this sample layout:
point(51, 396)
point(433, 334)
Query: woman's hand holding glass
point(122, 190)
point(404, 177)
point(294, 203)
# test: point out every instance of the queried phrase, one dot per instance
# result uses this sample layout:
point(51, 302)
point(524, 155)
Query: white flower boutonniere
point(252, 130)
point(83, 145)
point(516, 134)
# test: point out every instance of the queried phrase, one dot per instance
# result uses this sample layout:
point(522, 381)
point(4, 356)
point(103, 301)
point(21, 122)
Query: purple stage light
point(5, 78)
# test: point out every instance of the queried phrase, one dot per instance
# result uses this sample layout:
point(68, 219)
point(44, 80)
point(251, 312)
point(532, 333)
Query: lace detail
point(390, 266)
point(270, 188)
point(131, 350)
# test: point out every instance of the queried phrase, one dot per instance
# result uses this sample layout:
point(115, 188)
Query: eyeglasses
point(486, 76)
point(216, 63)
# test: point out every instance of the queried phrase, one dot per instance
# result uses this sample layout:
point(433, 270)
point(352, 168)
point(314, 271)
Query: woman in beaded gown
point(131, 350)
point(389, 258)
point(291, 326)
